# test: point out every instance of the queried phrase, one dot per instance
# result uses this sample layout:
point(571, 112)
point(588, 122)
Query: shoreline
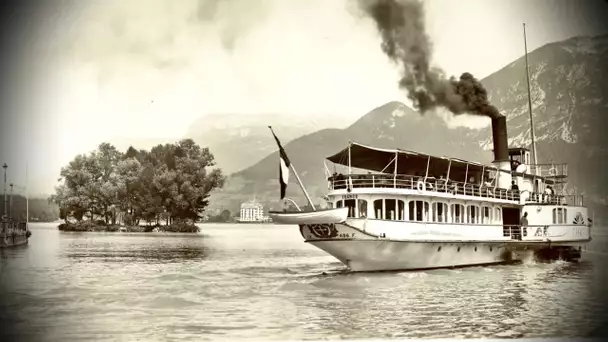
point(87, 226)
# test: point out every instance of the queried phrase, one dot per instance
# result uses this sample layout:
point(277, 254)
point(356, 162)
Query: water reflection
point(514, 300)
point(141, 249)
point(12, 252)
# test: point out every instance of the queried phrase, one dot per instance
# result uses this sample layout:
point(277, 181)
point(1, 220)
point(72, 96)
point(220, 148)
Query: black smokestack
point(404, 40)
point(499, 139)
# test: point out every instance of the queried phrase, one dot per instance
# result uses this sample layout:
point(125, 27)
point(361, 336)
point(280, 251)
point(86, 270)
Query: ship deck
point(430, 185)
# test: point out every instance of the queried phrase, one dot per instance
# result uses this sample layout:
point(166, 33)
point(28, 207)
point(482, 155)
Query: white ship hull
point(365, 249)
point(386, 255)
point(12, 234)
point(13, 239)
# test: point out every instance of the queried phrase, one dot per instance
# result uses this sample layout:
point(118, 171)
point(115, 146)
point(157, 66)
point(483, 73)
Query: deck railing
point(440, 185)
point(551, 170)
point(517, 232)
point(9, 227)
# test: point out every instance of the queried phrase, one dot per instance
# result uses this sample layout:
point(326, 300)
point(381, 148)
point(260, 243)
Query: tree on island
point(168, 185)
point(224, 217)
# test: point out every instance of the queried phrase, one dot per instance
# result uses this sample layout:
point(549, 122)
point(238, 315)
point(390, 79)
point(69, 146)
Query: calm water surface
point(234, 282)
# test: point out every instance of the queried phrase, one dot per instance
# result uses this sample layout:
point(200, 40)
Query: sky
point(83, 72)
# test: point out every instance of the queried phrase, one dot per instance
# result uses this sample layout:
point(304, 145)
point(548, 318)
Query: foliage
point(168, 184)
point(224, 216)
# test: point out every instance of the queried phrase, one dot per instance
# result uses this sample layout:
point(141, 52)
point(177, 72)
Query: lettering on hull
point(549, 232)
point(580, 231)
point(541, 232)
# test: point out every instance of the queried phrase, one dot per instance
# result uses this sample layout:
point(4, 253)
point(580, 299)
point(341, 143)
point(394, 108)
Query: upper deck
point(432, 186)
point(420, 172)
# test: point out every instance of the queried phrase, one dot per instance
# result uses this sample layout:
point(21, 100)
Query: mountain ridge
point(567, 93)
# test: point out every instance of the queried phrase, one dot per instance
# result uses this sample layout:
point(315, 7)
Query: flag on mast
point(283, 167)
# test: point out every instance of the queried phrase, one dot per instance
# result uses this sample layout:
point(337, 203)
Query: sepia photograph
point(303, 170)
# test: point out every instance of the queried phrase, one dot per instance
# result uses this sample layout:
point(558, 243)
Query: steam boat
point(434, 212)
point(416, 211)
point(13, 232)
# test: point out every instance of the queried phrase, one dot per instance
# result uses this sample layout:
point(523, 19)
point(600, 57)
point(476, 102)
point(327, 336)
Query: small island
point(164, 189)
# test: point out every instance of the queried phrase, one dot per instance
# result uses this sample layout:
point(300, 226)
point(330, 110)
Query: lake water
point(262, 282)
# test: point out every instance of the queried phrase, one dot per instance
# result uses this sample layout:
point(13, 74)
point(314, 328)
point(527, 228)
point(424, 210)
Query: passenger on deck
point(514, 186)
point(524, 220)
point(523, 226)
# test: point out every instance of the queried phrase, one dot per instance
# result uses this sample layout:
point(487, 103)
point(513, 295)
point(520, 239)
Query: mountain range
point(238, 141)
point(568, 92)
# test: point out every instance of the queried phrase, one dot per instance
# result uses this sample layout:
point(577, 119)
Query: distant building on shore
point(252, 212)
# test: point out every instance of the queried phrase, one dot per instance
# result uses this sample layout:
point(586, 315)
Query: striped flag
point(283, 167)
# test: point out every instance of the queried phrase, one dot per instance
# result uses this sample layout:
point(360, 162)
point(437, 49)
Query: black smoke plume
point(404, 40)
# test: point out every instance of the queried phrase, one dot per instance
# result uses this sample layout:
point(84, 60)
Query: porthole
point(475, 249)
point(458, 249)
point(490, 249)
point(439, 249)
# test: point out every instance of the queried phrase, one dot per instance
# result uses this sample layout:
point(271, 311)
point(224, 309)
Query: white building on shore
point(252, 211)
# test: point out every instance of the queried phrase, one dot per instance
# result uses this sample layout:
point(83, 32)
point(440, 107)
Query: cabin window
point(440, 212)
point(559, 216)
point(390, 209)
point(401, 210)
point(472, 214)
point(497, 215)
point(486, 214)
point(362, 208)
point(352, 207)
point(378, 210)
point(457, 213)
point(419, 210)
point(339, 204)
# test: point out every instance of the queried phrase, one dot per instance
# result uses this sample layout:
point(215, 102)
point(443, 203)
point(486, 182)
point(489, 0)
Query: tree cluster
point(168, 184)
point(224, 217)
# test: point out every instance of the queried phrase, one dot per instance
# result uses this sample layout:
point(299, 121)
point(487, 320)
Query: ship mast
point(5, 213)
point(530, 104)
point(27, 199)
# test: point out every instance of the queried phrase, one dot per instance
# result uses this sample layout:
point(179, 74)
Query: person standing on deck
point(514, 186)
point(524, 220)
point(523, 223)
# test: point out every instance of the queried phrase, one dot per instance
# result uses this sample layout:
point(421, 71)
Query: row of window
point(560, 216)
point(392, 209)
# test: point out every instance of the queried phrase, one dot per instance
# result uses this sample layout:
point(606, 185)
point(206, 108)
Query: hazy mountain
point(240, 140)
point(569, 104)
point(123, 143)
point(569, 99)
point(391, 125)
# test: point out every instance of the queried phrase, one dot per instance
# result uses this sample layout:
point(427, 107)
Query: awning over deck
point(377, 159)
